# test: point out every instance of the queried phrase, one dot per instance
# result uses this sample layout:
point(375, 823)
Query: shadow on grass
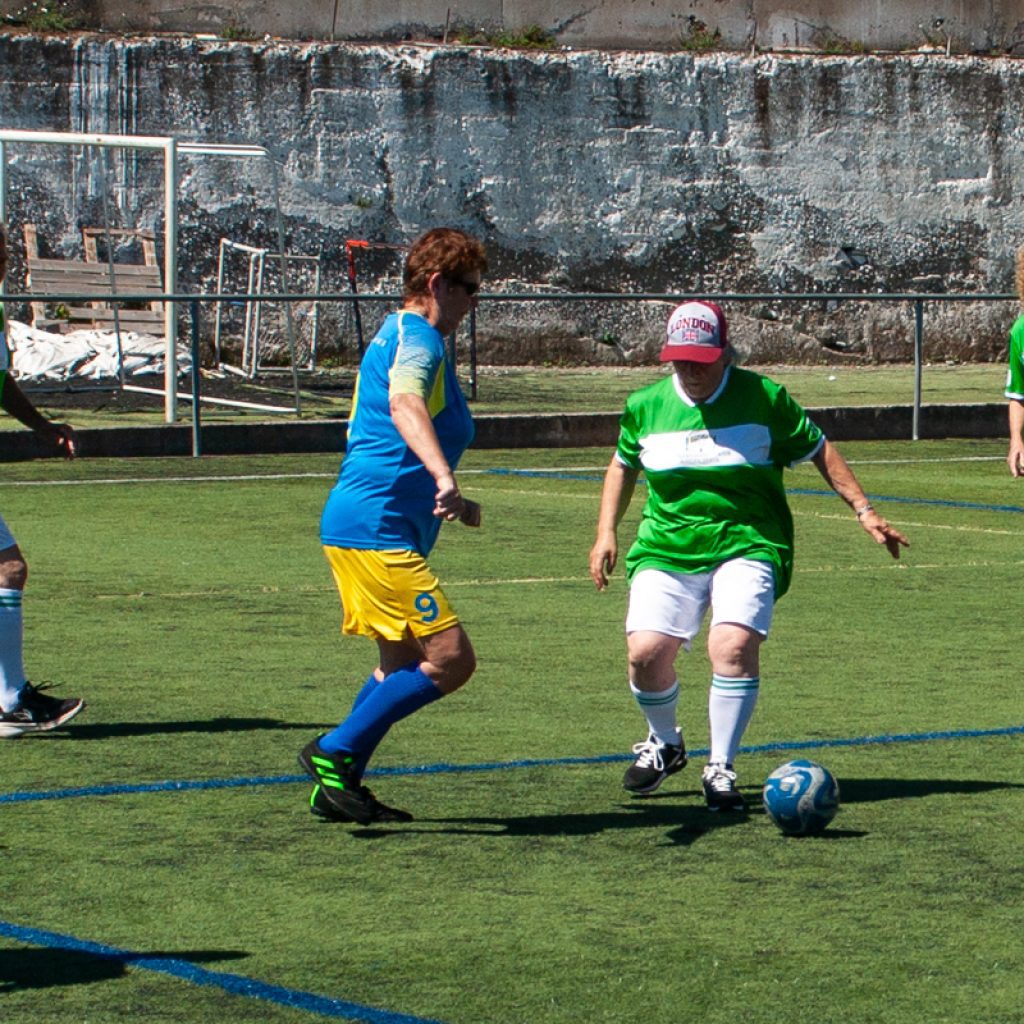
point(685, 824)
point(863, 791)
point(48, 968)
point(113, 730)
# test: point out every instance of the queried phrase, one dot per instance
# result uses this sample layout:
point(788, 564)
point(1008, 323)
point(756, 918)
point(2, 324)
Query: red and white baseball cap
point(697, 333)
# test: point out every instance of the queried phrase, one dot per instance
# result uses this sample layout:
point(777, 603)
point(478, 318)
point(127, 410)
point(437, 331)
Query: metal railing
point(193, 302)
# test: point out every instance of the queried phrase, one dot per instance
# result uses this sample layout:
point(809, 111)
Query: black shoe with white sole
point(720, 792)
point(655, 762)
point(38, 712)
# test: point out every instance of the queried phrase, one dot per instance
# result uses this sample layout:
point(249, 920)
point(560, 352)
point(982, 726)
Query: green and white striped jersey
point(1015, 373)
point(714, 473)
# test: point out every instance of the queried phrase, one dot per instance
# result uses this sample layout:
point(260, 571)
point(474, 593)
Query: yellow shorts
point(387, 595)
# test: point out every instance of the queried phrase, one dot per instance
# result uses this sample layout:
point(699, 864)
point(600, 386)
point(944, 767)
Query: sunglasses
point(469, 287)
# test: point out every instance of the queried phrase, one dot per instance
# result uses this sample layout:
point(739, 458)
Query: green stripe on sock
point(735, 685)
point(653, 700)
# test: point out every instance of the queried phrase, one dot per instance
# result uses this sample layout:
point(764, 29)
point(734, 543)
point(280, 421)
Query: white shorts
point(6, 537)
point(674, 603)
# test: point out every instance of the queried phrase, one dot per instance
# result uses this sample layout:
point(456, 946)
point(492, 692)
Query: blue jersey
point(384, 497)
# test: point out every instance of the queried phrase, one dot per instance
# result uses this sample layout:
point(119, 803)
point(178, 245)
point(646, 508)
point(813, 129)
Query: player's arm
point(1015, 456)
point(417, 363)
point(837, 474)
point(18, 404)
point(412, 420)
point(616, 494)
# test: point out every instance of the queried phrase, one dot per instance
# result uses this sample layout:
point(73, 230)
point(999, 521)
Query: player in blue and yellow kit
point(408, 429)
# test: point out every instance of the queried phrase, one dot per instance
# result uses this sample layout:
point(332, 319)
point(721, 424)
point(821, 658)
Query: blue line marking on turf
point(565, 474)
point(181, 786)
point(178, 785)
point(324, 1006)
point(976, 506)
point(234, 984)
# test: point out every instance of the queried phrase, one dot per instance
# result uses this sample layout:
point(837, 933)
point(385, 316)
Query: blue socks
point(377, 708)
point(369, 686)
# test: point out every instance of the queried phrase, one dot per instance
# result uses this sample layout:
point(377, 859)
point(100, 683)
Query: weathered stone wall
point(832, 25)
point(585, 171)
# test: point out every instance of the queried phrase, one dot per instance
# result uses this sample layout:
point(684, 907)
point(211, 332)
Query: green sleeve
point(1015, 372)
point(628, 448)
point(795, 436)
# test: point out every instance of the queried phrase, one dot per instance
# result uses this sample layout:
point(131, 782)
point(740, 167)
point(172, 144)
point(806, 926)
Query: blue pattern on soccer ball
point(801, 797)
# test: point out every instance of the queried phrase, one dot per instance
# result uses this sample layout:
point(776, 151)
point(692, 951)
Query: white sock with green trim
point(660, 711)
point(12, 670)
point(730, 705)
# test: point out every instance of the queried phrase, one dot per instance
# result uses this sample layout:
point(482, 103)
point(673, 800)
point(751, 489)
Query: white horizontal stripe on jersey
point(746, 444)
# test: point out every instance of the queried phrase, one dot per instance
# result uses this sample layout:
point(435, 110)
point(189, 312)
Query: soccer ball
point(801, 797)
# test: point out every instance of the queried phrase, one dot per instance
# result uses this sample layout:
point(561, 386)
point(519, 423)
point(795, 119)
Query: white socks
point(730, 705)
point(12, 670)
point(660, 711)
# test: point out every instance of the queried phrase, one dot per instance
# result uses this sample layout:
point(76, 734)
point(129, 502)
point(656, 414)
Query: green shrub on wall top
point(698, 38)
point(532, 37)
point(47, 15)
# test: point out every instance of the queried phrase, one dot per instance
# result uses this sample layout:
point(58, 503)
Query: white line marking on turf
point(246, 477)
point(306, 588)
point(255, 590)
point(169, 479)
point(912, 524)
point(913, 462)
point(902, 566)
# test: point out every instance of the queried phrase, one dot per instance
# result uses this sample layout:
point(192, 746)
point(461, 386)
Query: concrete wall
point(643, 24)
point(584, 171)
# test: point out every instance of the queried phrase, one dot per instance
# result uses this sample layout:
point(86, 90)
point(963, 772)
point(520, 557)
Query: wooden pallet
point(82, 278)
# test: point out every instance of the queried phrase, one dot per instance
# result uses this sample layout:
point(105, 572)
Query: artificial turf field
point(160, 863)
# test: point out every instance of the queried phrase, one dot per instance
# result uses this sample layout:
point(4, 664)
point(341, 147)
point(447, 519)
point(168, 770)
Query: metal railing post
point(472, 354)
point(197, 440)
point(915, 432)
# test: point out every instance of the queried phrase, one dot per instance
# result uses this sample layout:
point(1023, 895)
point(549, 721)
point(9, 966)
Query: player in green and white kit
point(712, 441)
point(1015, 382)
point(24, 709)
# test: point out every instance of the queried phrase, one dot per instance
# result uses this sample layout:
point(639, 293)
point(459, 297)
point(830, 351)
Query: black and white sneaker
point(655, 762)
point(382, 814)
point(38, 712)
point(720, 792)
